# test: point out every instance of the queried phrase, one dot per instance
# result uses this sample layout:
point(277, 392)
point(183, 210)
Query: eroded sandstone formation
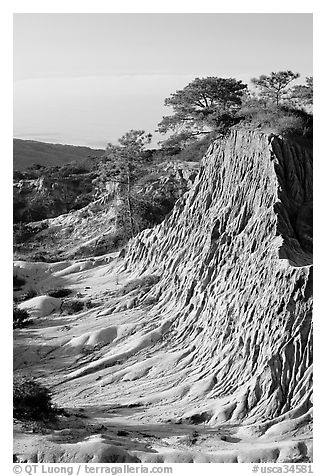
point(234, 297)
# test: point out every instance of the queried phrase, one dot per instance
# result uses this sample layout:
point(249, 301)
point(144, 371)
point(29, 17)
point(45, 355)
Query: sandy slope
point(57, 344)
point(211, 360)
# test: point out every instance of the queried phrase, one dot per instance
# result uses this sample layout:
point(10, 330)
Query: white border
point(168, 6)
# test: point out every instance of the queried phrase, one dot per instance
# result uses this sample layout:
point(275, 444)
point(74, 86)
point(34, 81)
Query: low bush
point(18, 282)
point(283, 120)
point(72, 307)
point(38, 257)
point(90, 304)
point(28, 295)
point(59, 293)
point(31, 400)
point(191, 439)
point(20, 317)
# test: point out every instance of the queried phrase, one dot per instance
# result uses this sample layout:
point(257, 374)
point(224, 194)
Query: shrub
point(32, 401)
point(37, 257)
point(191, 439)
point(59, 293)
point(90, 305)
point(291, 124)
point(22, 233)
point(72, 168)
point(18, 175)
point(20, 317)
point(18, 282)
point(283, 120)
point(28, 295)
point(72, 307)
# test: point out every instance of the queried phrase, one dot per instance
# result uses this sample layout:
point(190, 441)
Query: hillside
point(198, 341)
point(67, 216)
point(29, 152)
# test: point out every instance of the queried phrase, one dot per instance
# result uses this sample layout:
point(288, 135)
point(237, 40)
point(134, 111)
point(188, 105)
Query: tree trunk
point(129, 207)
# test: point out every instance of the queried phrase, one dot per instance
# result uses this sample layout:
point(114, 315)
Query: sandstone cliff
point(235, 264)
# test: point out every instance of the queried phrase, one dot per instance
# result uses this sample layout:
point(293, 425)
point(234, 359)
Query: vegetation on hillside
point(30, 152)
point(32, 400)
point(123, 165)
point(274, 88)
point(202, 106)
point(20, 317)
point(211, 106)
point(132, 176)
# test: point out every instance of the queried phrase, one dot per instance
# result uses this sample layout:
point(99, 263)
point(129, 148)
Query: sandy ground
point(109, 419)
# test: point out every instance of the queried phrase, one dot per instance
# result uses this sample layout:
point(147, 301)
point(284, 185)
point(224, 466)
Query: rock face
point(234, 299)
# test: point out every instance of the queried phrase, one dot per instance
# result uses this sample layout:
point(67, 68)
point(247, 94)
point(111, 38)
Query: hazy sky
point(85, 79)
